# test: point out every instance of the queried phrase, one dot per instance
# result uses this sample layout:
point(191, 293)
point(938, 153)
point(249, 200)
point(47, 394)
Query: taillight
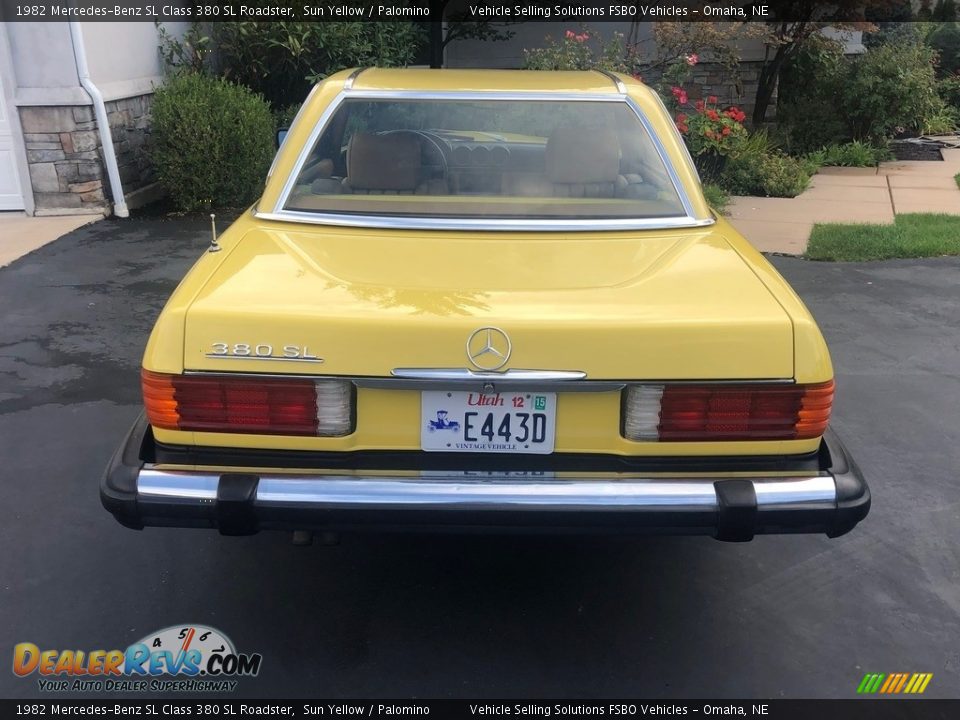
point(706, 412)
point(267, 406)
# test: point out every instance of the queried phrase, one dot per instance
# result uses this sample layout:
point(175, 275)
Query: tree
point(458, 27)
point(800, 21)
point(944, 11)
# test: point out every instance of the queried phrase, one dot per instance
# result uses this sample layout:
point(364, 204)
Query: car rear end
point(509, 328)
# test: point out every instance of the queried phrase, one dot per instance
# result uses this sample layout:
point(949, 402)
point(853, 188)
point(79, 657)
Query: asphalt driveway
point(470, 616)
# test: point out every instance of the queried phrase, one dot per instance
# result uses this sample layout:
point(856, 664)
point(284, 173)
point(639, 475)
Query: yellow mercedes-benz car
point(485, 299)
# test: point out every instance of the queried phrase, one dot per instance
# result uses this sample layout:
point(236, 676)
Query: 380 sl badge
point(262, 351)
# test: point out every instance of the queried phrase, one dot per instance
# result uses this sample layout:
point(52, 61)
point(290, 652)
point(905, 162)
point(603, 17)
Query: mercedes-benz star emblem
point(488, 348)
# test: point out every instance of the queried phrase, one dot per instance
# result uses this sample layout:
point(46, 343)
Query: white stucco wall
point(43, 66)
point(122, 57)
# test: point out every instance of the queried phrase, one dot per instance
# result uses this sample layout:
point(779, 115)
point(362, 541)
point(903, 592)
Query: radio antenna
point(214, 245)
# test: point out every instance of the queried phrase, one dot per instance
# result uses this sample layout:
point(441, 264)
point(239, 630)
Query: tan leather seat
point(580, 162)
point(387, 164)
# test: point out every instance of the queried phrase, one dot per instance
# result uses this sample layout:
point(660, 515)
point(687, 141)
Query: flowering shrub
point(575, 52)
point(710, 130)
point(711, 134)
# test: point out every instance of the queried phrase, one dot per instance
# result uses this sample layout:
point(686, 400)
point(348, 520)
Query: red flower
point(569, 34)
point(726, 131)
point(712, 114)
point(712, 99)
point(692, 59)
point(681, 117)
point(699, 105)
point(676, 91)
point(709, 134)
point(682, 127)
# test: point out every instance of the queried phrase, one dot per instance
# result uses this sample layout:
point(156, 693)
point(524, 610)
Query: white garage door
point(11, 197)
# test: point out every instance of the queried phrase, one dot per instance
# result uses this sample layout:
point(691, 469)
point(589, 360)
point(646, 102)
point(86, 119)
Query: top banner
point(439, 11)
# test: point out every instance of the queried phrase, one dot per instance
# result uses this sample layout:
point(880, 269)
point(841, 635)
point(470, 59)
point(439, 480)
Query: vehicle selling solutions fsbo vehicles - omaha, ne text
point(485, 299)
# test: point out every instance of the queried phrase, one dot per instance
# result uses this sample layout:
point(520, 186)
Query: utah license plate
point(504, 422)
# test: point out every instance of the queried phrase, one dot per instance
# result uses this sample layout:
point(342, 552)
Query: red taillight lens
point(727, 412)
point(269, 406)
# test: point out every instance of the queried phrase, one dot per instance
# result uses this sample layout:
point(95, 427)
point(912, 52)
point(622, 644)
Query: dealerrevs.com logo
point(180, 658)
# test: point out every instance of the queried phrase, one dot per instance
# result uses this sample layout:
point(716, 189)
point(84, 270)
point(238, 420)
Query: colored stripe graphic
point(894, 683)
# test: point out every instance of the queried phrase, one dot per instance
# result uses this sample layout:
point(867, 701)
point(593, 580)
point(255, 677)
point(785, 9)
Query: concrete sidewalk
point(849, 195)
point(21, 234)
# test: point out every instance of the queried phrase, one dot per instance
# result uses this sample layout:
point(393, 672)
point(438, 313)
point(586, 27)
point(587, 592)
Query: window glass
point(485, 158)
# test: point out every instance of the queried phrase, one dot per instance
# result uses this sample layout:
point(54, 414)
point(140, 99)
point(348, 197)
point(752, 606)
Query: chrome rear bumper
point(727, 505)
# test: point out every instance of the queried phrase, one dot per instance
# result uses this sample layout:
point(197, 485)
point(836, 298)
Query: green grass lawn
point(911, 236)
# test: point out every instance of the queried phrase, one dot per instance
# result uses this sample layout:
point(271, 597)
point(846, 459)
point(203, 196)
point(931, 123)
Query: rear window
point(485, 159)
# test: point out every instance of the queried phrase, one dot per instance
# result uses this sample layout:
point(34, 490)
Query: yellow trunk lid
point(628, 305)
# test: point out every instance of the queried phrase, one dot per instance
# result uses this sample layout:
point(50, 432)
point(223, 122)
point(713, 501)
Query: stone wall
point(731, 88)
point(65, 156)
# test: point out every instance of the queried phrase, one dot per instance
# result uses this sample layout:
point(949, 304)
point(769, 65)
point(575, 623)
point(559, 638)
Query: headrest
point(383, 162)
point(582, 154)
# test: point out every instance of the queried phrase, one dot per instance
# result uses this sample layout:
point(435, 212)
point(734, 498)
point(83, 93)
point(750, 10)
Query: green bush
point(282, 59)
point(809, 84)
point(949, 90)
point(890, 89)
point(945, 39)
point(716, 197)
point(283, 118)
point(212, 142)
point(827, 98)
point(943, 123)
point(758, 167)
point(852, 154)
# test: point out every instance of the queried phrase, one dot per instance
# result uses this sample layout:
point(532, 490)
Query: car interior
point(602, 161)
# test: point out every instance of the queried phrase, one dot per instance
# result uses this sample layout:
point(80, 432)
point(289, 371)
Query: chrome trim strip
point(502, 225)
point(618, 83)
point(775, 492)
point(461, 374)
point(348, 83)
point(280, 214)
point(563, 379)
point(214, 356)
point(397, 492)
point(177, 485)
point(480, 384)
point(630, 492)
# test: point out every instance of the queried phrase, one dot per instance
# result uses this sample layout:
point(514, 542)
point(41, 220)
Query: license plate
point(505, 422)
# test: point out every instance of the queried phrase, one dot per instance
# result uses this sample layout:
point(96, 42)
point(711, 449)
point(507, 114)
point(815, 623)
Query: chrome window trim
point(276, 155)
point(280, 214)
point(500, 224)
point(351, 78)
point(679, 138)
point(618, 83)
